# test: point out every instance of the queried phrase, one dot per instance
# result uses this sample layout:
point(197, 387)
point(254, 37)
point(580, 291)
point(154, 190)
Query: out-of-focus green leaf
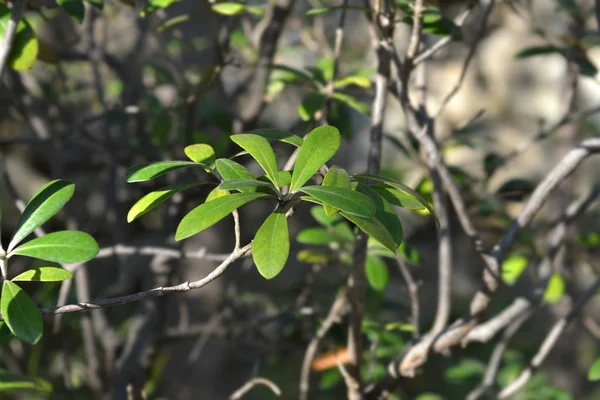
point(319, 214)
point(594, 371)
point(377, 273)
point(512, 267)
point(555, 289)
point(353, 103)
point(74, 8)
point(310, 105)
point(13, 383)
point(24, 49)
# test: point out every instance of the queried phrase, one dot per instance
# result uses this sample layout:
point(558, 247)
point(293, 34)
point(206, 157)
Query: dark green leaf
point(208, 214)
point(200, 153)
point(409, 254)
point(398, 198)
point(12, 383)
point(146, 172)
point(260, 149)
point(491, 162)
point(153, 199)
point(44, 274)
point(61, 247)
point(20, 313)
point(241, 184)
point(515, 189)
point(373, 228)
point(271, 245)
point(586, 67)
point(336, 176)
point(24, 49)
point(74, 8)
point(594, 371)
point(467, 369)
point(99, 4)
point(538, 50)
point(310, 106)
point(377, 273)
point(276, 134)
point(384, 213)
point(154, 5)
point(318, 213)
point(345, 200)
point(318, 148)
point(43, 205)
point(316, 236)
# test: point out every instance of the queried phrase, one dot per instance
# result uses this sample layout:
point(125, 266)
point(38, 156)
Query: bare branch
point(238, 394)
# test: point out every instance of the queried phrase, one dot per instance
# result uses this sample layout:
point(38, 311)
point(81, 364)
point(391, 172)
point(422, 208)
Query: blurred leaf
point(316, 236)
point(353, 103)
point(555, 289)
point(311, 256)
point(99, 4)
point(74, 8)
point(594, 371)
point(326, 65)
point(429, 396)
point(154, 199)
point(409, 254)
point(466, 369)
point(586, 67)
point(282, 136)
point(260, 149)
point(538, 50)
point(319, 146)
point(400, 326)
point(229, 8)
point(200, 153)
point(512, 267)
point(336, 176)
point(241, 184)
point(20, 313)
point(318, 213)
point(515, 189)
point(293, 74)
point(491, 162)
point(61, 247)
point(377, 273)
point(44, 274)
point(48, 200)
point(171, 22)
point(149, 171)
point(339, 116)
point(208, 214)
point(13, 383)
point(396, 142)
point(46, 53)
point(323, 10)
point(25, 44)
point(310, 105)
point(330, 378)
point(355, 80)
point(271, 245)
point(345, 200)
point(154, 5)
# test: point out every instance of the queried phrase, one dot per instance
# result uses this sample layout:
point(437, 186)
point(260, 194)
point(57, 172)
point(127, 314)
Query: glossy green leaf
point(43, 205)
point(229, 8)
point(13, 383)
point(338, 177)
point(353, 103)
point(271, 245)
point(154, 199)
point(310, 105)
point(260, 149)
point(215, 194)
point(398, 198)
point(200, 153)
point(276, 134)
point(399, 186)
point(512, 267)
point(25, 45)
point(20, 313)
point(61, 247)
point(44, 274)
point(356, 80)
point(316, 236)
point(319, 146)
point(384, 213)
point(149, 171)
point(231, 170)
point(74, 8)
point(345, 200)
point(241, 184)
point(373, 228)
point(208, 214)
point(555, 289)
point(594, 371)
point(318, 213)
point(377, 273)
point(285, 177)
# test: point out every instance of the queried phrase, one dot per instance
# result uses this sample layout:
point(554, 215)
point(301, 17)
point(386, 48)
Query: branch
point(253, 382)
point(10, 33)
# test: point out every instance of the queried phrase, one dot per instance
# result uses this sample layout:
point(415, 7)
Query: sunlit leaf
point(215, 194)
point(398, 198)
point(342, 199)
point(276, 134)
point(20, 313)
point(336, 176)
point(271, 245)
point(555, 289)
point(44, 274)
point(373, 228)
point(154, 5)
point(241, 184)
point(353, 103)
point(377, 273)
point(260, 149)
point(148, 171)
point(154, 199)
point(384, 213)
point(229, 8)
point(311, 256)
point(512, 267)
point(315, 236)
point(13, 383)
point(61, 247)
point(25, 44)
point(594, 371)
point(200, 153)
point(360, 81)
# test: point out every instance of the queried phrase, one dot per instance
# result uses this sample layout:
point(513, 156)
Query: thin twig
point(413, 293)
point(253, 382)
point(10, 34)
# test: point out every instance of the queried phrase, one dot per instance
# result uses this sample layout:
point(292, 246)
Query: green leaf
point(318, 213)
point(43, 205)
point(319, 146)
point(74, 8)
point(215, 194)
point(271, 245)
point(260, 149)
point(409, 254)
point(200, 153)
point(12, 383)
point(154, 5)
point(326, 65)
point(229, 8)
point(61, 247)
point(316, 236)
point(398, 198)
point(353, 103)
point(241, 184)
point(20, 313)
point(230, 170)
point(345, 200)
point(515, 189)
point(310, 105)
point(149, 171)
point(538, 50)
point(24, 49)
point(555, 289)
point(208, 214)
point(373, 228)
point(293, 74)
point(336, 176)
point(466, 369)
point(377, 273)
point(384, 213)
point(44, 274)
point(323, 10)
point(512, 267)
point(153, 199)
point(594, 371)
point(310, 256)
point(356, 80)
point(285, 177)
point(276, 134)
point(398, 186)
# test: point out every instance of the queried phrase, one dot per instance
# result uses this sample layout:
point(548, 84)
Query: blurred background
point(138, 81)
